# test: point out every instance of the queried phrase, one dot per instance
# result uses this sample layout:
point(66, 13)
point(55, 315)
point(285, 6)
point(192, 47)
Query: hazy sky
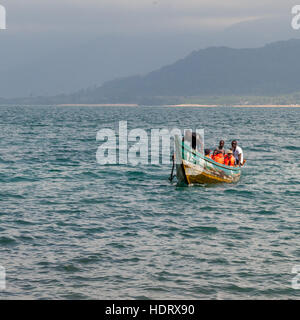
point(137, 16)
point(53, 46)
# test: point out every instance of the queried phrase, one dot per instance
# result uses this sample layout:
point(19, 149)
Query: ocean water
point(73, 229)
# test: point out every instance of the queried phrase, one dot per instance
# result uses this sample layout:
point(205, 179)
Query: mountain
point(271, 70)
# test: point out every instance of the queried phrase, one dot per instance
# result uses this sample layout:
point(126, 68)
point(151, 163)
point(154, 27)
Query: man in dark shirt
point(221, 147)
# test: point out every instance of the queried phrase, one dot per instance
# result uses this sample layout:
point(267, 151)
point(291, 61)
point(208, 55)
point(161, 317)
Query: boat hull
point(194, 168)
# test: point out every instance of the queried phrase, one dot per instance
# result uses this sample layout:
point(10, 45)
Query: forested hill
point(217, 71)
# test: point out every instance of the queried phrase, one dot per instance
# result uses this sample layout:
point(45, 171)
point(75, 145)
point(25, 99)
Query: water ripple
point(71, 229)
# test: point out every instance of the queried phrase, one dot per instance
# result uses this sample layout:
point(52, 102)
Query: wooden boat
point(194, 168)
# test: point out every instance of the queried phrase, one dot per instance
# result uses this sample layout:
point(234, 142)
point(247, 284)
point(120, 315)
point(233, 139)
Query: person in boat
point(207, 153)
point(221, 146)
point(237, 153)
point(229, 159)
point(218, 156)
point(194, 140)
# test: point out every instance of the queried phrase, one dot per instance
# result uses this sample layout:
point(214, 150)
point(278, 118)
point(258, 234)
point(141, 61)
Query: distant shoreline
point(165, 105)
point(98, 105)
point(238, 106)
point(267, 106)
point(194, 105)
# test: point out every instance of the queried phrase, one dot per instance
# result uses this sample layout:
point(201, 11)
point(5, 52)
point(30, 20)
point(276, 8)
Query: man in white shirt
point(237, 153)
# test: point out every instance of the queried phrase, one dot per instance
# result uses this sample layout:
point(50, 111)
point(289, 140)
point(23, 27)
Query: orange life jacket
point(219, 158)
point(229, 161)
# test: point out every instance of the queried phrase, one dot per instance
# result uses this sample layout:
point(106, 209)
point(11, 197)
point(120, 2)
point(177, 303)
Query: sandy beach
point(239, 105)
point(194, 105)
point(267, 106)
point(98, 105)
point(185, 105)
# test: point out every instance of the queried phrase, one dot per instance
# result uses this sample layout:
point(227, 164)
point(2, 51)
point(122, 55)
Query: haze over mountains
point(216, 71)
point(47, 50)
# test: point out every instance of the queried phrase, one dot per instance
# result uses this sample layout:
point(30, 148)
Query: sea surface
point(71, 228)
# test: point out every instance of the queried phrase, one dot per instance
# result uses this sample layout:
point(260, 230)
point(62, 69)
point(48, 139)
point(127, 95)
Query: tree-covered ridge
point(216, 75)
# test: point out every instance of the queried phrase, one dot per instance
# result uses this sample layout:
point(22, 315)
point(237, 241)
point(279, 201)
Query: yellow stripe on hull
point(193, 168)
point(195, 174)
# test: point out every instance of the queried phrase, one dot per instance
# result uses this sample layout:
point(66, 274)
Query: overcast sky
point(137, 16)
point(53, 46)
